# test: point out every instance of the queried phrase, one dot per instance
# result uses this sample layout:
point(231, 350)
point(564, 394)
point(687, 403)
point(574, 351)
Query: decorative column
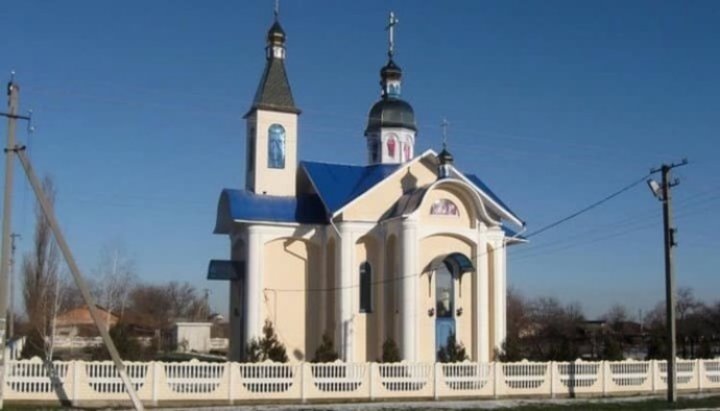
point(482, 305)
point(254, 284)
point(409, 290)
point(344, 270)
point(499, 283)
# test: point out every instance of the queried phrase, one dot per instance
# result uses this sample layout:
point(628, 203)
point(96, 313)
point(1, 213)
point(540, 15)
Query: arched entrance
point(449, 271)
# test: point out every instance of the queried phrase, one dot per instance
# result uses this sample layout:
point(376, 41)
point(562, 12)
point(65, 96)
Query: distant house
point(78, 322)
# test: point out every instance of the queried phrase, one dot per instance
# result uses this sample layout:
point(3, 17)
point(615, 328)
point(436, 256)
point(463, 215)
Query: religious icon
point(276, 146)
point(393, 89)
point(444, 206)
point(391, 144)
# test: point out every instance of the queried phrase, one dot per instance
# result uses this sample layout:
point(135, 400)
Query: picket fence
point(78, 382)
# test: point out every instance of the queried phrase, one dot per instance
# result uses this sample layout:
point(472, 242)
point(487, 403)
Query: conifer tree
point(266, 348)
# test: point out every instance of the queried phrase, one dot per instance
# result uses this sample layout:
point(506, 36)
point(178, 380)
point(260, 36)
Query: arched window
point(365, 288)
point(276, 146)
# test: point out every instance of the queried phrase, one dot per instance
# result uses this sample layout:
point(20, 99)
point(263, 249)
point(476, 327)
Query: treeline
point(543, 329)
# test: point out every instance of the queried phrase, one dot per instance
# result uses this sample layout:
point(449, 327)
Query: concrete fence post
point(604, 375)
point(437, 368)
point(155, 366)
point(699, 373)
point(230, 382)
point(75, 366)
point(371, 380)
point(497, 369)
point(305, 378)
point(552, 379)
point(653, 375)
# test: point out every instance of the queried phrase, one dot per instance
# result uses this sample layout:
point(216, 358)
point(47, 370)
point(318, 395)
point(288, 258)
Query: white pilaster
point(344, 269)
point(499, 293)
point(409, 290)
point(254, 284)
point(482, 313)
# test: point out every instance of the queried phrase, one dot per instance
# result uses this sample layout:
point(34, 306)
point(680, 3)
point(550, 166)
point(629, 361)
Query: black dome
point(276, 33)
point(445, 157)
point(391, 112)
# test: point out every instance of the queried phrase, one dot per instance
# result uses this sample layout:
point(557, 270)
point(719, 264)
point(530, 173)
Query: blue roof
point(482, 186)
point(339, 184)
point(248, 206)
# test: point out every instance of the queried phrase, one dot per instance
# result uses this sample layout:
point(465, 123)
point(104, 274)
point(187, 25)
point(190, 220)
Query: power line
point(634, 219)
point(588, 208)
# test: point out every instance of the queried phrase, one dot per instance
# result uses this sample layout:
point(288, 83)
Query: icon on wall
point(276, 146)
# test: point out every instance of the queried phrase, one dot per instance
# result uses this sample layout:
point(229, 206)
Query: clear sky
point(138, 112)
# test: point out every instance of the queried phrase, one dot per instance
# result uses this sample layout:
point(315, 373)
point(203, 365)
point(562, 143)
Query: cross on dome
point(392, 22)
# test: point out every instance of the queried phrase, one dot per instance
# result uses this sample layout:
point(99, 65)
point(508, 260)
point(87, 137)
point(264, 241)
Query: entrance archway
point(449, 271)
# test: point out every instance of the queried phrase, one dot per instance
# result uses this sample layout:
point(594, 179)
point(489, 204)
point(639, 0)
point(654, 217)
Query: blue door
point(444, 306)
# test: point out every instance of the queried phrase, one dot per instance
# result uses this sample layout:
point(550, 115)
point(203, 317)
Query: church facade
point(406, 248)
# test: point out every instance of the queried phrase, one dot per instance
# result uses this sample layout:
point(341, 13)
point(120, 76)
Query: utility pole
point(664, 193)
point(13, 91)
point(47, 209)
point(11, 286)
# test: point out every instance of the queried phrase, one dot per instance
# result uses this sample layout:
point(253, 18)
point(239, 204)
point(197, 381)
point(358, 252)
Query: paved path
point(435, 405)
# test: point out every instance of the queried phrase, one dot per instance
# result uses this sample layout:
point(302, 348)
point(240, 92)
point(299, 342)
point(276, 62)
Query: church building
point(405, 248)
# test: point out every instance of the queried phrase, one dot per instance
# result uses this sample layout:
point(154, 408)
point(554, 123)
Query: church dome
point(276, 34)
point(390, 112)
point(445, 157)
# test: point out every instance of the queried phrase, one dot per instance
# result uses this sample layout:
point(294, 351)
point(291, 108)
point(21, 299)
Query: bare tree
point(114, 279)
point(42, 284)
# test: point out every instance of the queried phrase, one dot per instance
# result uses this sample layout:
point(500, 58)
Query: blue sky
point(138, 110)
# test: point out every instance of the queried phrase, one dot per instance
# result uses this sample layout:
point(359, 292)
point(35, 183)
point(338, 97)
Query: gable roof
point(243, 205)
point(274, 91)
point(338, 185)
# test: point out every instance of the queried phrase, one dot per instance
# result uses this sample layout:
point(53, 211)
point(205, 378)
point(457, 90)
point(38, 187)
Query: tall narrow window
point(276, 146)
point(391, 144)
point(251, 150)
point(365, 288)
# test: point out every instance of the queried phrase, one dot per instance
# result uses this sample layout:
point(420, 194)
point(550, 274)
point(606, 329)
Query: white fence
point(79, 382)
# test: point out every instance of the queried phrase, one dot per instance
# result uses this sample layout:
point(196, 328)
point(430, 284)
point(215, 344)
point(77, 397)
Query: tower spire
point(392, 22)
point(276, 9)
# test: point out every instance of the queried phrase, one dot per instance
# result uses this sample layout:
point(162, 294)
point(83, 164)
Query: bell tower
point(391, 125)
point(271, 145)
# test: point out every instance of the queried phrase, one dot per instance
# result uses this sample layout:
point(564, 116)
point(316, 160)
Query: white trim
point(492, 202)
point(400, 168)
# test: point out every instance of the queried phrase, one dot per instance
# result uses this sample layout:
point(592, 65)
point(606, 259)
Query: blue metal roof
point(339, 184)
point(482, 186)
point(248, 206)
